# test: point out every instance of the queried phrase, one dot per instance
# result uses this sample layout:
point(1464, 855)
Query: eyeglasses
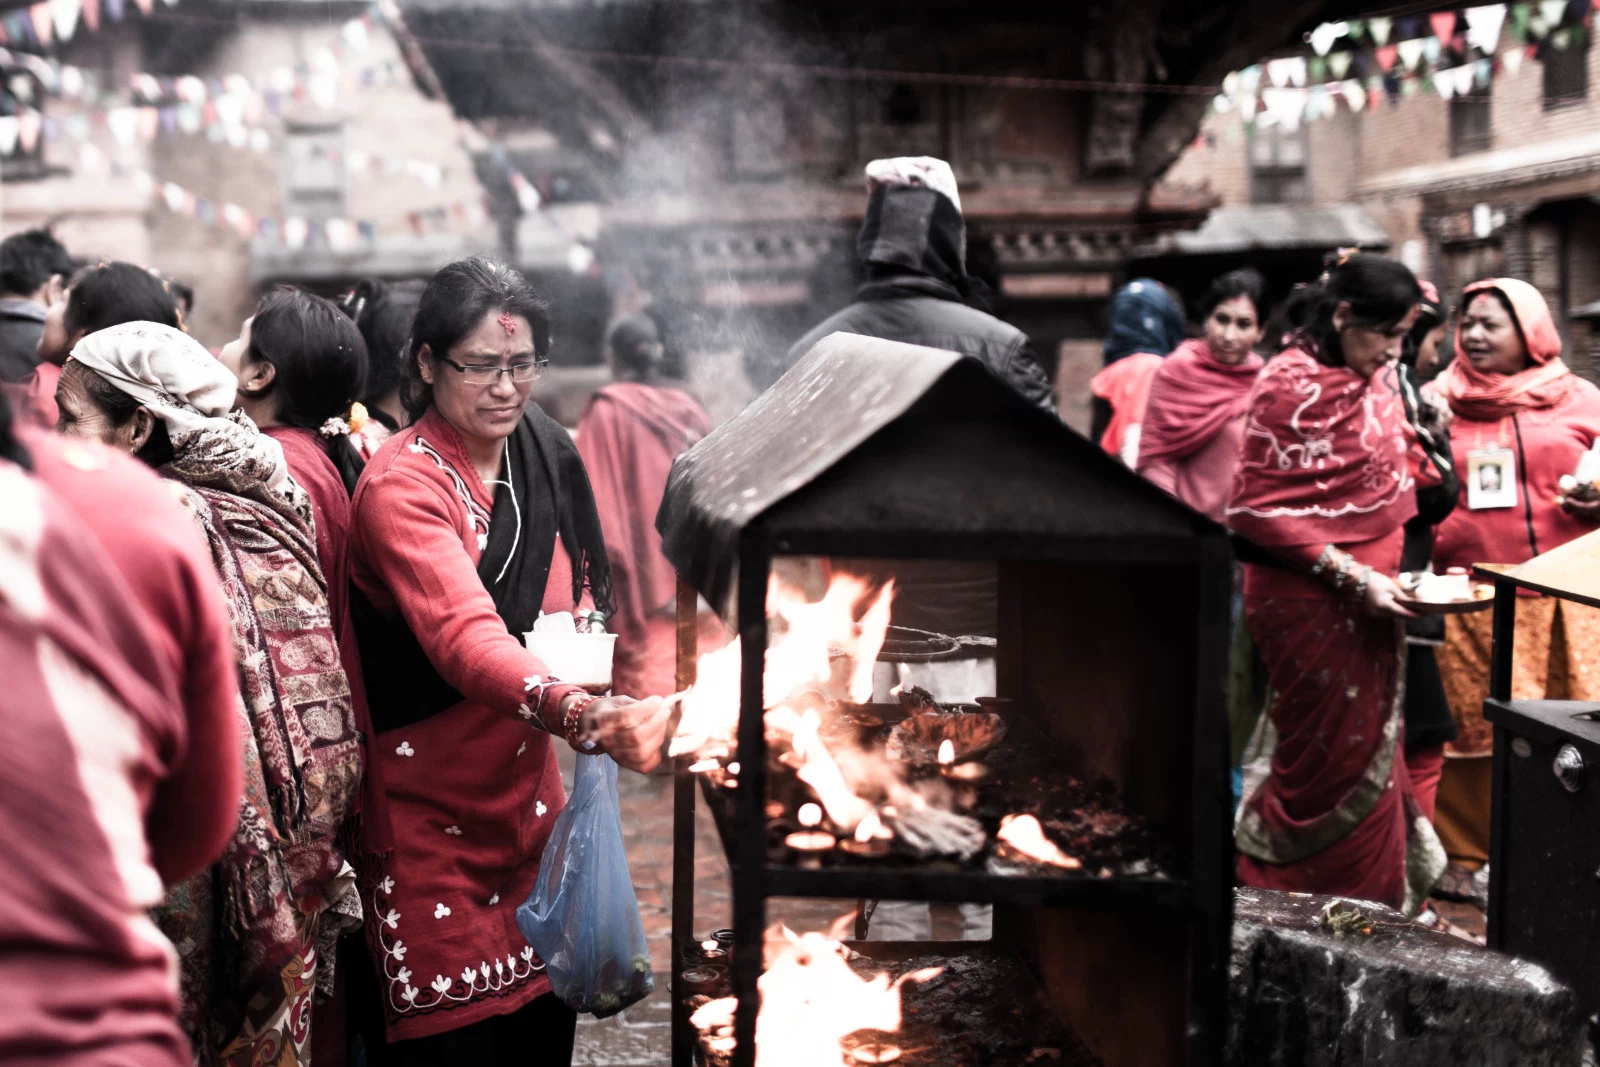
point(520, 372)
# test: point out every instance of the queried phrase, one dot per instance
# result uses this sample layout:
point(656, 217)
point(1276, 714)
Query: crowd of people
point(268, 709)
point(267, 706)
point(1331, 432)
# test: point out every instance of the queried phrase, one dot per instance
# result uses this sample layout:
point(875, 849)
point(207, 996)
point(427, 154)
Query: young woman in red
point(468, 523)
point(1325, 483)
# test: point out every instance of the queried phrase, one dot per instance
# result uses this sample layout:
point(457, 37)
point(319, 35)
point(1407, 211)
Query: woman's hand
point(1384, 596)
point(1583, 503)
point(629, 731)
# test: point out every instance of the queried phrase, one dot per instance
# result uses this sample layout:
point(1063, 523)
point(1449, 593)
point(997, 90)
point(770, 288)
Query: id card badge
point(1491, 479)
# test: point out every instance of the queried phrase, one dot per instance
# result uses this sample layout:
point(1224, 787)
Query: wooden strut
point(683, 1036)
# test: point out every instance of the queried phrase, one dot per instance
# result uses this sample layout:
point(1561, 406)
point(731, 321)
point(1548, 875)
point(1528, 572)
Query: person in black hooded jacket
point(912, 246)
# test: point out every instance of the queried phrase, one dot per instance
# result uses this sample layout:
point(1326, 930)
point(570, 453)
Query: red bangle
point(569, 721)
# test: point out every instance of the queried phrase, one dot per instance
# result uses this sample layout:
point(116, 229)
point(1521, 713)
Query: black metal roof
point(874, 448)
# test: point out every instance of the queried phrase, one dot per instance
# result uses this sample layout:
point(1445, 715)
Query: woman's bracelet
point(573, 716)
point(1362, 583)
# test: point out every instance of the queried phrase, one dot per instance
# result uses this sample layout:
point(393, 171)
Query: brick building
point(369, 147)
point(1504, 181)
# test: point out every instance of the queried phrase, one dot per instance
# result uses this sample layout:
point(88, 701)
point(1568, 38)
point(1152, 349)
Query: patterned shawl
point(238, 924)
point(1325, 456)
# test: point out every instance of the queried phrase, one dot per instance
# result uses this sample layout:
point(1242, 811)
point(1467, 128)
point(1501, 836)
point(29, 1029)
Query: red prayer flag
point(1376, 103)
point(145, 6)
point(44, 24)
point(1387, 54)
point(1443, 23)
point(91, 14)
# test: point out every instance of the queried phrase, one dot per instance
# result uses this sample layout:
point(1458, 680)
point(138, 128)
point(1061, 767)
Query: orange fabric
point(1125, 385)
point(1554, 659)
point(1461, 815)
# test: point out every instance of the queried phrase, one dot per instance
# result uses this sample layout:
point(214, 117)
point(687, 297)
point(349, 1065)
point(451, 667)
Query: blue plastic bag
point(582, 917)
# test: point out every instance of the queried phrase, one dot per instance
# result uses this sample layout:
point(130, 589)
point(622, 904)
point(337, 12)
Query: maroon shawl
point(1193, 396)
point(628, 438)
point(1324, 458)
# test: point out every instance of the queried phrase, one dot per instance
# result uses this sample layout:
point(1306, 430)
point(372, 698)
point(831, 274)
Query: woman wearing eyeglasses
point(466, 525)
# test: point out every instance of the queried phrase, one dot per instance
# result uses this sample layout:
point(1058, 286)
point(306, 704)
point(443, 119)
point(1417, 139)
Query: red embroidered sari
point(1325, 463)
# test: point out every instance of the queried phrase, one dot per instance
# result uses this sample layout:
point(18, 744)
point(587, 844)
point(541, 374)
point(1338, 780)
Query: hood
point(917, 231)
point(1528, 310)
point(1144, 318)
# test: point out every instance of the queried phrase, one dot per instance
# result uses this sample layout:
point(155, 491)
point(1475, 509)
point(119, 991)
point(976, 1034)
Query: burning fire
point(818, 648)
point(1023, 833)
point(811, 1000)
point(947, 751)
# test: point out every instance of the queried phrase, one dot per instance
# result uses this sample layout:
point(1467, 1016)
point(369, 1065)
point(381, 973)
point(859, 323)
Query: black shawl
point(548, 493)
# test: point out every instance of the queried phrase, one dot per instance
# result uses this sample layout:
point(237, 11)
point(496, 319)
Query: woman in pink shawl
point(1324, 483)
point(629, 436)
point(1194, 418)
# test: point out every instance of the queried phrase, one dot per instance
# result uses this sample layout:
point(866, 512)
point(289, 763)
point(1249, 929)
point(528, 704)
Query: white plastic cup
point(579, 659)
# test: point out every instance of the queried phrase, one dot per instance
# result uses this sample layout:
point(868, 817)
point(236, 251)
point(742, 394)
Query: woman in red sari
point(629, 436)
point(1517, 407)
point(467, 523)
point(1194, 419)
point(1324, 484)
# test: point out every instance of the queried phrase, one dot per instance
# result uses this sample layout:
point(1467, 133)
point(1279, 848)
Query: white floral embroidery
point(522, 748)
point(405, 749)
point(539, 808)
point(454, 831)
point(529, 682)
point(405, 997)
point(526, 712)
point(477, 517)
point(440, 911)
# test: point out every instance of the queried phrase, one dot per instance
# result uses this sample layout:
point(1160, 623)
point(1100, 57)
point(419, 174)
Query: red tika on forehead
point(508, 323)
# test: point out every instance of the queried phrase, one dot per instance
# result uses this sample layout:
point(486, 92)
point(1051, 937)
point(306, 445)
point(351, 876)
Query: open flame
point(818, 649)
point(811, 1000)
point(1023, 833)
point(947, 751)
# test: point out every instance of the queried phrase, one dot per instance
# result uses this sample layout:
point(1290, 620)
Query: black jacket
point(912, 244)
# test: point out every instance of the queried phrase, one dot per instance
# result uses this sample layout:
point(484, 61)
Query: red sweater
point(119, 752)
point(473, 792)
point(1546, 443)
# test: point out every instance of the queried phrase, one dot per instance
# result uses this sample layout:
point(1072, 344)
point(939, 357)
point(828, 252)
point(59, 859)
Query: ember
point(1023, 833)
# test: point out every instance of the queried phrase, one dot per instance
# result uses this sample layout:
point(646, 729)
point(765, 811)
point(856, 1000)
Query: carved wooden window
point(1278, 165)
point(1469, 124)
point(315, 182)
point(1566, 71)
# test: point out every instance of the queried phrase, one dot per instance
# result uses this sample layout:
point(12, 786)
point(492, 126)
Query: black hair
point(110, 294)
point(453, 304)
point(183, 294)
point(636, 345)
point(11, 447)
point(119, 408)
point(320, 365)
point(1379, 291)
point(1247, 282)
point(1430, 315)
point(383, 313)
point(30, 259)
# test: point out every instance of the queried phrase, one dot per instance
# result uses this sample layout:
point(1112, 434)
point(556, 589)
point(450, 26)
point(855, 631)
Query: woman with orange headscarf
point(1522, 420)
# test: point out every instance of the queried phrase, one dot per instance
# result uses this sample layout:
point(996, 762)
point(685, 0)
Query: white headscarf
point(924, 171)
point(182, 384)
